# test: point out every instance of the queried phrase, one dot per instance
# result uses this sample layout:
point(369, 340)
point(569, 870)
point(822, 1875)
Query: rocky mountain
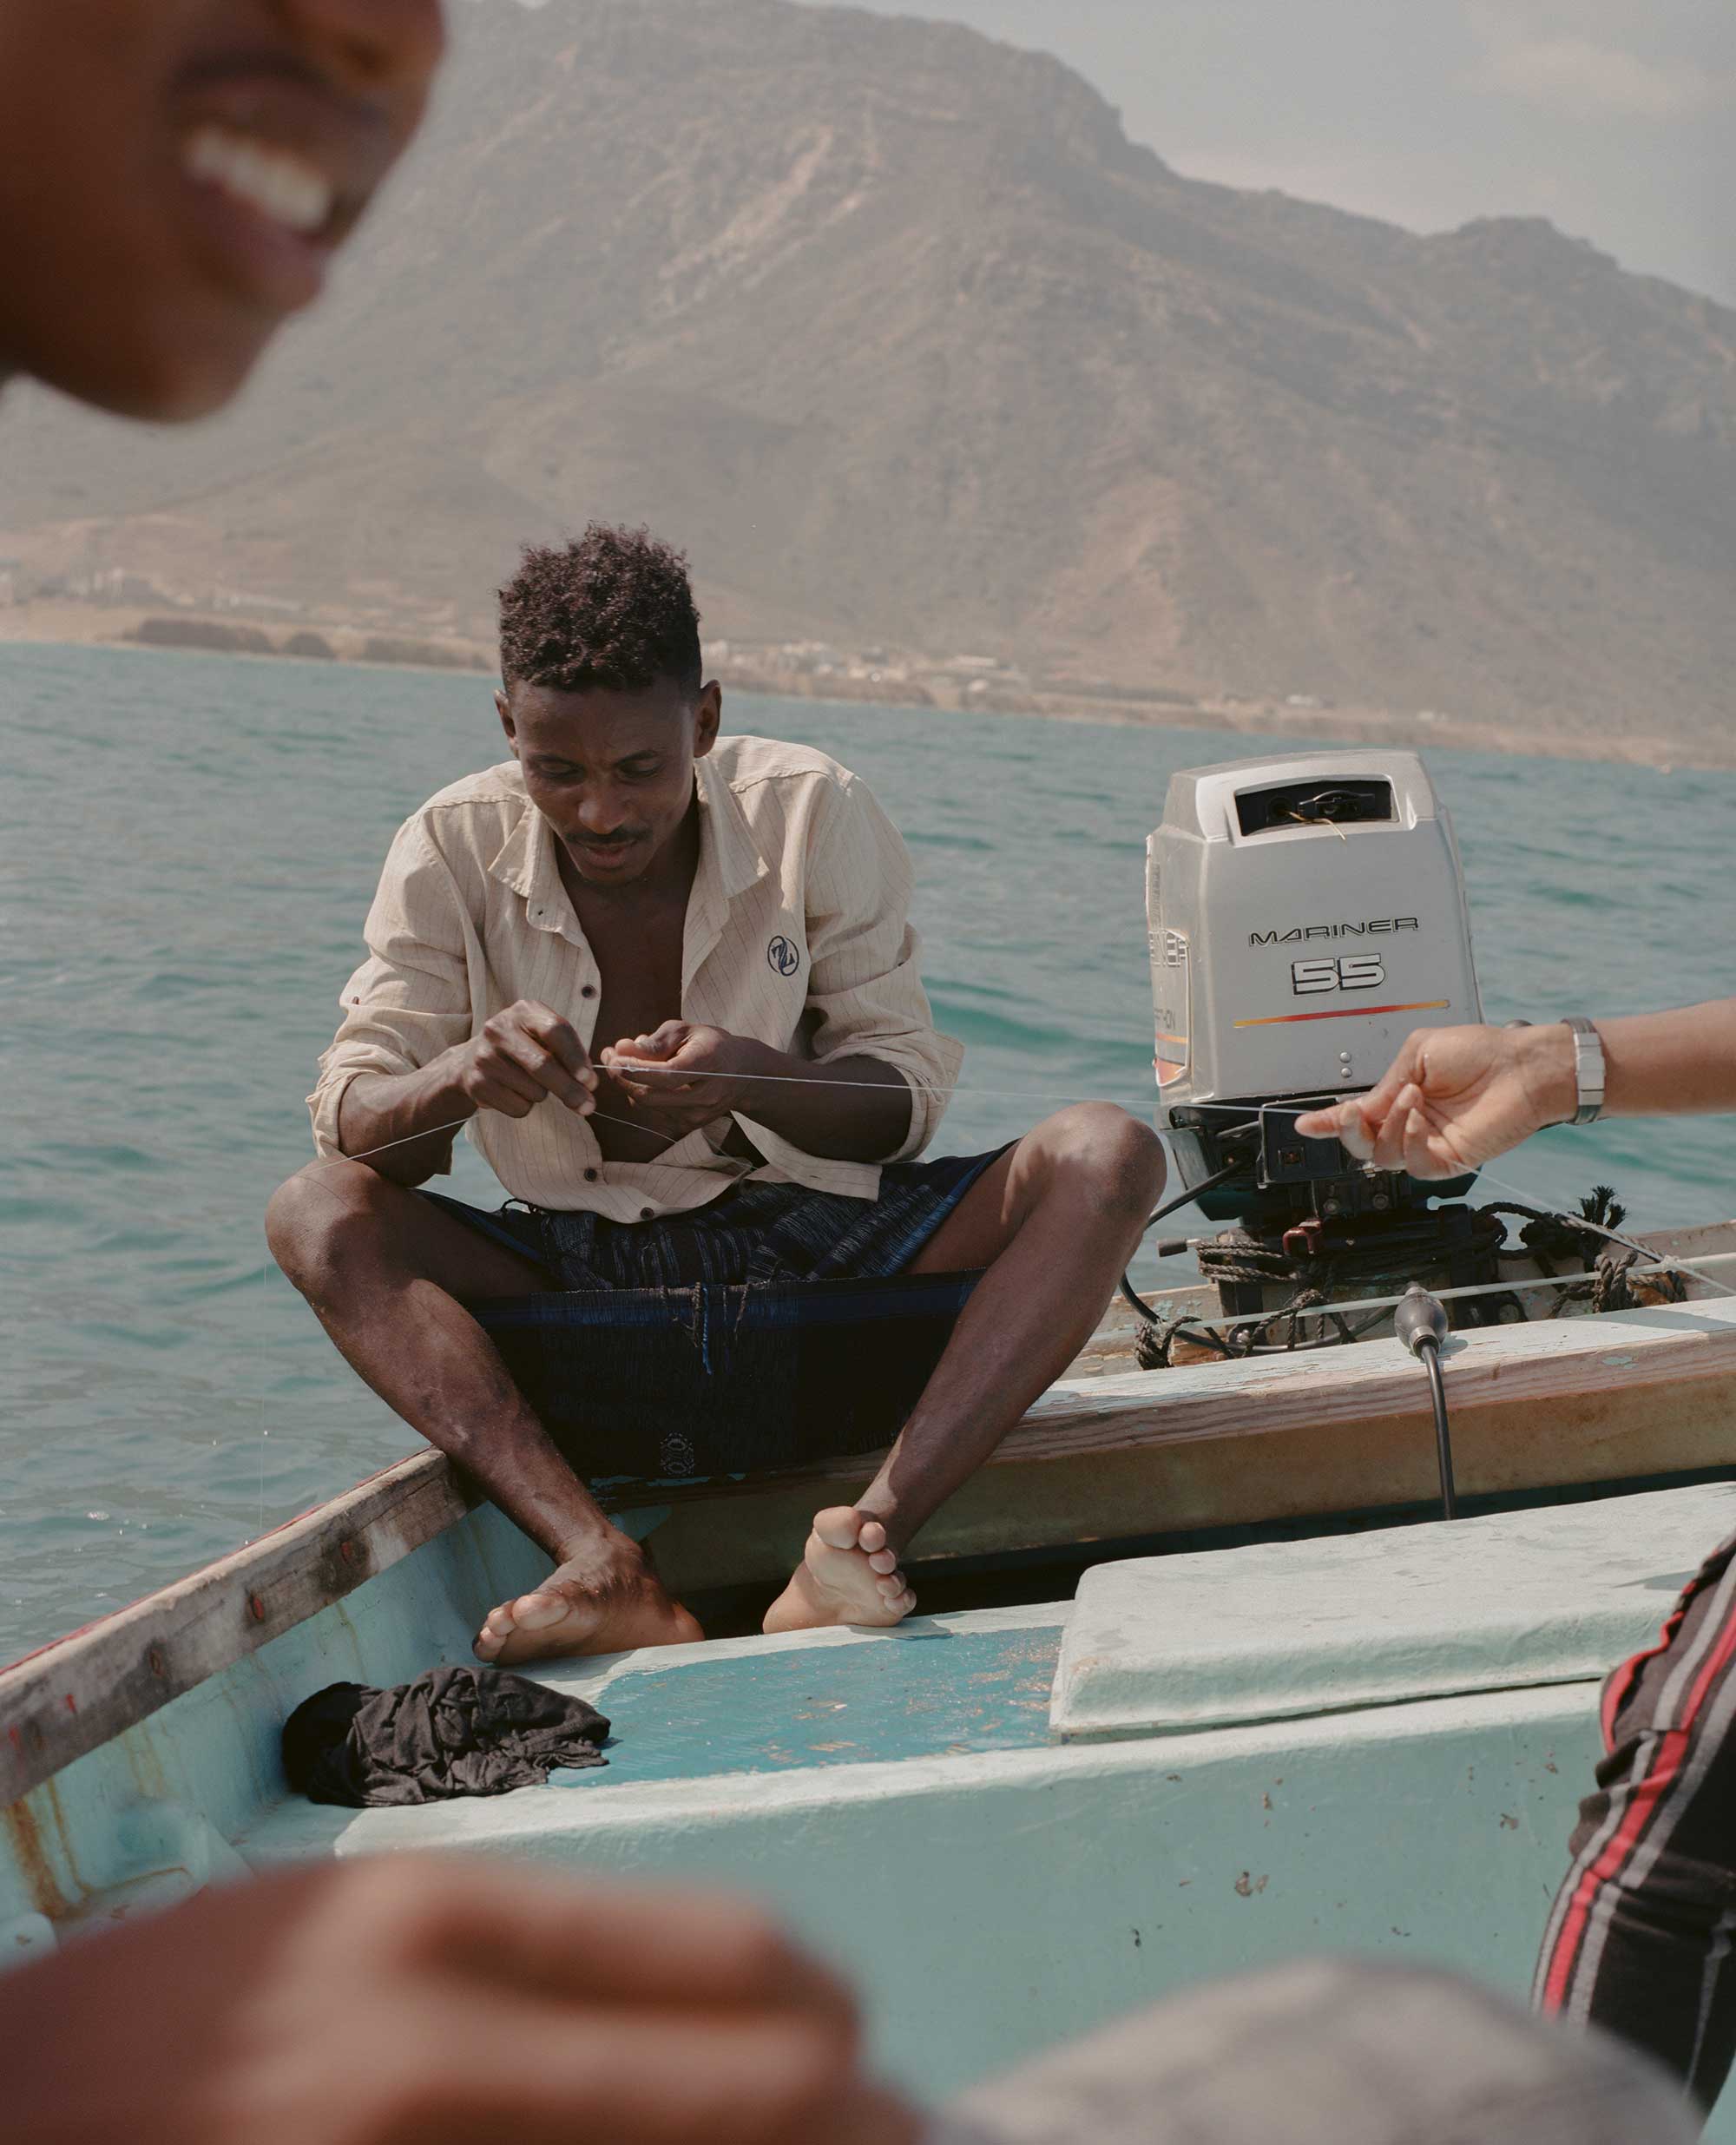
point(895, 330)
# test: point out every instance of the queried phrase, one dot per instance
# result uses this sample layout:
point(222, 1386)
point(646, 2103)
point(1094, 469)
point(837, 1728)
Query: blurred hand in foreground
point(450, 2003)
point(1455, 1098)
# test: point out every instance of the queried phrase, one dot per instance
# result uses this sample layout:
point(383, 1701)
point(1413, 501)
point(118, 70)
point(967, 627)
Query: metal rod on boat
point(1421, 1323)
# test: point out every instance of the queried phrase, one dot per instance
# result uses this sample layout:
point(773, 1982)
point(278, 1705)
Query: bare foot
point(585, 1607)
point(847, 1575)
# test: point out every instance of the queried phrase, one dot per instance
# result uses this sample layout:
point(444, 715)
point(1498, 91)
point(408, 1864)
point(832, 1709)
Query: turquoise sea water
point(186, 850)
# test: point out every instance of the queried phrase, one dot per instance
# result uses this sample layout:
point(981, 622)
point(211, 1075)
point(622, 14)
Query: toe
point(486, 1645)
point(839, 1527)
point(536, 1612)
point(884, 1559)
point(871, 1535)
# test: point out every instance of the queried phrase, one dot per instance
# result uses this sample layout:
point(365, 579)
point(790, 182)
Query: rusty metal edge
point(72, 1696)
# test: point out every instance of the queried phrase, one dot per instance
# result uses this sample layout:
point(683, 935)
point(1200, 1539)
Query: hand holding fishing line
point(1453, 1099)
point(684, 1074)
point(521, 1055)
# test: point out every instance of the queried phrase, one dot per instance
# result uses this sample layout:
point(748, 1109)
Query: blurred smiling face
point(176, 176)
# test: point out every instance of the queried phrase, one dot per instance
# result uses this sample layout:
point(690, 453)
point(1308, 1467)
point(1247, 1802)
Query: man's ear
point(707, 715)
point(503, 708)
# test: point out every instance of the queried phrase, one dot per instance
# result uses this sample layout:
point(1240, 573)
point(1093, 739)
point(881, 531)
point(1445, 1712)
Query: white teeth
point(276, 183)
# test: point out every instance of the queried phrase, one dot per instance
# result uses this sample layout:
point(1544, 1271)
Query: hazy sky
point(1616, 119)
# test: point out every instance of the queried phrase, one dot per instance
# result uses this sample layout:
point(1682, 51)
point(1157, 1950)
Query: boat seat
point(1171, 1645)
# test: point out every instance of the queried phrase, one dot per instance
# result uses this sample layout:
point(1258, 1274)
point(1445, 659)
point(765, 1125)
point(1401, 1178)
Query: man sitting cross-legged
point(669, 979)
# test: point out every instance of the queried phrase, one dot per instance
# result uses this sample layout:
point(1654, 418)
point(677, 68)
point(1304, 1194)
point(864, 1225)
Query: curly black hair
point(613, 609)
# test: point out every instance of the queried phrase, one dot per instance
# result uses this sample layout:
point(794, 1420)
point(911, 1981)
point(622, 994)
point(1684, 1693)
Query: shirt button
point(590, 1176)
point(588, 990)
point(647, 1213)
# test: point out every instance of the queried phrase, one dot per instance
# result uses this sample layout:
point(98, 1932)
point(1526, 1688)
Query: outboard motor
point(1306, 913)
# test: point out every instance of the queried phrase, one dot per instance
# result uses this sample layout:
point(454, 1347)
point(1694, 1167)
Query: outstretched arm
point(1457, 1097)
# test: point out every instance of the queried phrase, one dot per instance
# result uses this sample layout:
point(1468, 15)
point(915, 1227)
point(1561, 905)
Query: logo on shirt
point(783, 955)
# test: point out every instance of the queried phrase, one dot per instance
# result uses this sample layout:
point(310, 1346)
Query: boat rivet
point(158, 1665)
point(256, 1609)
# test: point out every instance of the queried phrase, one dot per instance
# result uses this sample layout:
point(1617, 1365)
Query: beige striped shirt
point(797, 935)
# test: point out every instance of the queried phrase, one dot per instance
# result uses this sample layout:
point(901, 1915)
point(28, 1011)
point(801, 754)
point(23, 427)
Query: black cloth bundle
point(449, 1732)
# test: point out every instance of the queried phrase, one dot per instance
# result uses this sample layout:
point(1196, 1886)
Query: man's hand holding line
point(680, 1077)
point(521, 1056)
point(685, 1075)
point(402, 1123)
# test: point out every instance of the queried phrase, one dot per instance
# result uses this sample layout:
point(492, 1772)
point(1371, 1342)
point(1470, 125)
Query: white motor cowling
point(1306, 913)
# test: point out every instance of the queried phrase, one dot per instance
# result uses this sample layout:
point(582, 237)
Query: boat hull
point(997, 1863)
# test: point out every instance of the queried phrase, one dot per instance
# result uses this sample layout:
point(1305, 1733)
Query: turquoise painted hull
point(1001, 1854)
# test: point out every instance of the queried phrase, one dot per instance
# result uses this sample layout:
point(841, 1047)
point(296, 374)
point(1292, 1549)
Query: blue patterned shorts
point(772, 1328)
point(753, 1234)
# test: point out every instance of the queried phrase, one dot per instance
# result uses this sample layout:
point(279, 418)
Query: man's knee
point(315, 1219)
point(1100, 1147)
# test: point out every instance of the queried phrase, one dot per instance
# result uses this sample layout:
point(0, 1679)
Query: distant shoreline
point(138, 632)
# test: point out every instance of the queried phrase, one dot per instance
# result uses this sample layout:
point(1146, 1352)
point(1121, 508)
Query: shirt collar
point(525, 860)
point(727, 844)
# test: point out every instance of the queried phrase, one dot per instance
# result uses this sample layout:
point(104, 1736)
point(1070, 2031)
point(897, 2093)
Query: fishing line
point(789, 1080)
point(456, 1124)
point(264, 1284)
point(966, 1088)
point(634, 1067)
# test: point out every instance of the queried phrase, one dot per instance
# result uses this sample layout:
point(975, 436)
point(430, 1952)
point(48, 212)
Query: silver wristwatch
point(1587, 1068)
